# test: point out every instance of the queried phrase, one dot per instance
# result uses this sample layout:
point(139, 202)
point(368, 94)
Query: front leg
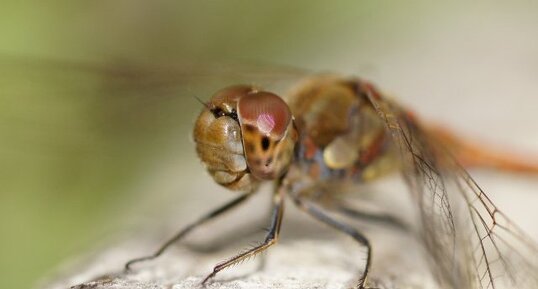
point(210, 216)
point(270, 239)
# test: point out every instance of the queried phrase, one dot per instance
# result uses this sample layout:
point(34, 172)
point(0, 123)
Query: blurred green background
point(95, 96)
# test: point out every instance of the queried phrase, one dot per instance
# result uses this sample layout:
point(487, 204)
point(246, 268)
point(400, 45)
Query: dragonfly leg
point(320, 215)
point(371, 217)
point(270, 239)
point(211, 215)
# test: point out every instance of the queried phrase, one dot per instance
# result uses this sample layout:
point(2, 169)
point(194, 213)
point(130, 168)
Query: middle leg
point(382, 218)
point(320, 215)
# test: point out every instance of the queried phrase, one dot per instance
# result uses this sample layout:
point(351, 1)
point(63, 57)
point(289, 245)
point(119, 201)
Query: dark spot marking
point(233, 115)
point(265, 143)
point(269, 161)
point(218, 112)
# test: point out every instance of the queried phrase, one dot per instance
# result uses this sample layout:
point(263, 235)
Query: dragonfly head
point(245, 136)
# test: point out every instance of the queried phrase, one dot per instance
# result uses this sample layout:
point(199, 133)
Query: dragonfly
point(330, 130)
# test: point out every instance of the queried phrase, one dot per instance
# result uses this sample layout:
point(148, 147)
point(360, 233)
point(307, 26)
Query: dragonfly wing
point(472, 243)
point(113, 97)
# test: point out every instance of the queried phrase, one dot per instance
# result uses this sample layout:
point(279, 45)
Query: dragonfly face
point(245, 136)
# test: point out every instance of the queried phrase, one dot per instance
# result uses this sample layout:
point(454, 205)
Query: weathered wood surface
point(309, 255)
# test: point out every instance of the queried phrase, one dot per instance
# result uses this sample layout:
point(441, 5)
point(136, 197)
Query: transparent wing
point(114, 99)
point(472, 243)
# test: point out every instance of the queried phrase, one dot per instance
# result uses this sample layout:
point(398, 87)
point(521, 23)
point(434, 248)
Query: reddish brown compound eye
point(265, 121)
point(265, 111)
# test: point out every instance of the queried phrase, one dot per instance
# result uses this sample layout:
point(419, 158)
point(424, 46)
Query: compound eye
point(264, 118)
point(266, 112)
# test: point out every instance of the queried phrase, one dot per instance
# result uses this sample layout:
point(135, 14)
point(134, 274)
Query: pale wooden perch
point(309, 255)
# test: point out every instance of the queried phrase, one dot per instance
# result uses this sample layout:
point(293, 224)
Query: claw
point(207, 278)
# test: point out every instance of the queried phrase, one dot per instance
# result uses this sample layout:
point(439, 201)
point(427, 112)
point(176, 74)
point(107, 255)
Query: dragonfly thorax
point(245, 136)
